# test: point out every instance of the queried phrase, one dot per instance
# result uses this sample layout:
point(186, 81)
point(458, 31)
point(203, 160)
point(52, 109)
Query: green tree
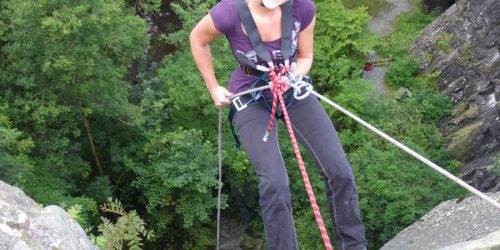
point(15, 164)
point(395, 190)
point(177, 179)
point(62, 69)
point(341, 42)
point(408, 27)
point(63, 66)
point(127, 232)
point(402, 72)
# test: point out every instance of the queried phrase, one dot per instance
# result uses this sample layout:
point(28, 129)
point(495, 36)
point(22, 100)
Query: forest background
point(87, 113)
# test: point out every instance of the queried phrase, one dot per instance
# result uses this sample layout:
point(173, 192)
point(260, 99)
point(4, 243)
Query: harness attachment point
point(302, 86)
point(238, 104)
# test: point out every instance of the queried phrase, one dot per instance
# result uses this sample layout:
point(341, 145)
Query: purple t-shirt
point(227, 21)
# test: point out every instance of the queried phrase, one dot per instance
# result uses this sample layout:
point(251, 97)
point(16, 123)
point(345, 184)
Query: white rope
point(367, 125)
point(219, 184)
point(409, 151)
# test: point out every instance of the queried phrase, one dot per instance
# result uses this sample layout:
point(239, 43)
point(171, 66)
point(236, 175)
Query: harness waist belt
point(249, 71)
point(245, 99)
point(248, 99)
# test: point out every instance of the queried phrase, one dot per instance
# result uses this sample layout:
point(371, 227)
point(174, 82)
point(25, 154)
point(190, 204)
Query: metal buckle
point(302, 88)
point(238, 104)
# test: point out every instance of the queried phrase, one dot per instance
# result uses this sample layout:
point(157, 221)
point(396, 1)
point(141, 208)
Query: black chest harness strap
point(256, 40)
point(251, 68)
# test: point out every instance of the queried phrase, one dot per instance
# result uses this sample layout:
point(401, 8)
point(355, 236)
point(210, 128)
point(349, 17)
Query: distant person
point(368, 67)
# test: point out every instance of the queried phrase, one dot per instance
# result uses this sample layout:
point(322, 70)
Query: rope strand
point(304, 173)
point(277, 90)
point(219, 184)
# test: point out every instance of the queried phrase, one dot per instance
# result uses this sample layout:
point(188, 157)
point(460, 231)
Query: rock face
point(471, 223)
point(491, 241)
point(24, 226)
point(236, 235)
point(483, 173)
point(463, 45)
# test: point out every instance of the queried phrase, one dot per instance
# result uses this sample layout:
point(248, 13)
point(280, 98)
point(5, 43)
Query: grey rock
point(495, 129)
point(25, 226)
point(232, 233)
point(483, 173)
point(449, 223)
point(236, 235)
point(402, 93)
point(489, 242)
point(491, 181)
point(463, 45)
point(496, 188)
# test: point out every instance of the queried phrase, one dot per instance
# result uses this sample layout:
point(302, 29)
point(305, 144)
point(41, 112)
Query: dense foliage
point(75, 131)
point(402, 73)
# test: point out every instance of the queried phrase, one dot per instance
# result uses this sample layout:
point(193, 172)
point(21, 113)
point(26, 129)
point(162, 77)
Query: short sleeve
point(223, 14)
point(307, 12)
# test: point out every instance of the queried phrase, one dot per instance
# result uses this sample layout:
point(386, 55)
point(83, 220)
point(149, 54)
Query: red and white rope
point(277, 90)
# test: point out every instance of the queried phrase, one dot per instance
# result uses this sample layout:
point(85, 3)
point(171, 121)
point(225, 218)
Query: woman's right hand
point(220, 96)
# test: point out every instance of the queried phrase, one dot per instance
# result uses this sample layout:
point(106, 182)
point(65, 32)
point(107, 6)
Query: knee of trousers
point(274, 194)
point(340, 172)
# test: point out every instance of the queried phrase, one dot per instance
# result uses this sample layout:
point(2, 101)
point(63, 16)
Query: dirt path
point(382, 24)
point(376, 76)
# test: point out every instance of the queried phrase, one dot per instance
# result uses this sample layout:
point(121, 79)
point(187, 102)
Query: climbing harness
point(241, 101)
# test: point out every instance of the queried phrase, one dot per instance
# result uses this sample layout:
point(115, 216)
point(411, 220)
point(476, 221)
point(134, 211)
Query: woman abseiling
point(276, 32)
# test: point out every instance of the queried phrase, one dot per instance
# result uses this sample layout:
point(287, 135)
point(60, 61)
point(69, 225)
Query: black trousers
point(315, 131)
